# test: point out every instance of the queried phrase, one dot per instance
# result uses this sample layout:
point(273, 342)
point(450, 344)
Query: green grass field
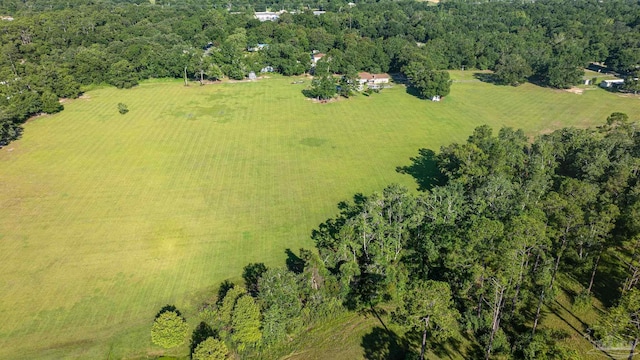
point(108, 217)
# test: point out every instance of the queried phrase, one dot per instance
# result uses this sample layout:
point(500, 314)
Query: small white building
point(610, 84)
point(6, 18)
point(257, 47)
point(318, 12)
point(268, 15)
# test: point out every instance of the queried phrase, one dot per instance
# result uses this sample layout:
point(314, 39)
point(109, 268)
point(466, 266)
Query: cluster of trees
point(272, 304)
point(170, 330)
point(478, 251)
point(53, 48)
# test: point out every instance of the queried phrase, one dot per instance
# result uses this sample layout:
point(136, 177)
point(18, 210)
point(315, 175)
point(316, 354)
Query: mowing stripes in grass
point(108, 217)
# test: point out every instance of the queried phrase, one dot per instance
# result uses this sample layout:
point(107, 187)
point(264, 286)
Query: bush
point(210, 349)
point(50, 103)
point(123, 108)
point(581, 303)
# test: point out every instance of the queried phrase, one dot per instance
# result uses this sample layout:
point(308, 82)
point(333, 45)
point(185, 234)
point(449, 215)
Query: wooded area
point(476, 253)
point(50, 50)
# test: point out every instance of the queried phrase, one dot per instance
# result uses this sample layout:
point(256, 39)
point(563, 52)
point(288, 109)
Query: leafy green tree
point(280, 297)
point(544, 346)
point(122, 75)
point(9, 130)
point(90, 64)
point(621, 324)
point(51, 103)
point(210, 349)
point(246, 323)
point(513, 70)
point(429, 83)
point(349, 82)
point(225, 310)
point(428, 306)
point(632, 82)
point(323, 86)
point(169, 330)
point(562, 73)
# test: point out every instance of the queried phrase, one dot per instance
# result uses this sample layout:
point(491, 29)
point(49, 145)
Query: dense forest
point(53, 50)
point(477, 252)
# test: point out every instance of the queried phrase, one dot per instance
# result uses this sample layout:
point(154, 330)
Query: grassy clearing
point(108, 217)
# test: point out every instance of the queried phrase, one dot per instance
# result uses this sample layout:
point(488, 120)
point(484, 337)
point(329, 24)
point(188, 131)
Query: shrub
point(123, 108)
point(210, 349)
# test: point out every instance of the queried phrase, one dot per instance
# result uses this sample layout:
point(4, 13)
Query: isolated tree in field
point(251, 275)
point(622, 323)
point(210, 349)
point(323, 86)
point(428, 306)
point(169, 330)
point(428, 82)
point(246, 323)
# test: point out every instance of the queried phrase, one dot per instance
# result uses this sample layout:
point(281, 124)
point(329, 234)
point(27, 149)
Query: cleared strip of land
point(108, 217)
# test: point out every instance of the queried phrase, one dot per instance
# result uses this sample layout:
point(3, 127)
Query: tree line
point(477, 252)
point(54, 49)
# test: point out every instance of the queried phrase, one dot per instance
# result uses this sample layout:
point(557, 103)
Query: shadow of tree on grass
point(294, 263)
point(381, 344)
point(424, 169)
point(168, 308)
point(486, 78)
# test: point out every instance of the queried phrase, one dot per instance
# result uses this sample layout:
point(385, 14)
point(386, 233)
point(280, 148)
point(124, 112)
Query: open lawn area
point(108, 217)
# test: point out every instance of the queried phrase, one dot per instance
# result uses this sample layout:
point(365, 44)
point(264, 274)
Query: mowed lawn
point(107, 217)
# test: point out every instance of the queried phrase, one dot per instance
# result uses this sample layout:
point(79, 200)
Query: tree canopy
point(169, 330)
point(51, 48)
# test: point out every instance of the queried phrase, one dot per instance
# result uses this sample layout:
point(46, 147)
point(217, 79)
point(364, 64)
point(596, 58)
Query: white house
point(268, 15)
point(373, 81)
point(257, 47)
point(609, 84)
point(6, 18)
